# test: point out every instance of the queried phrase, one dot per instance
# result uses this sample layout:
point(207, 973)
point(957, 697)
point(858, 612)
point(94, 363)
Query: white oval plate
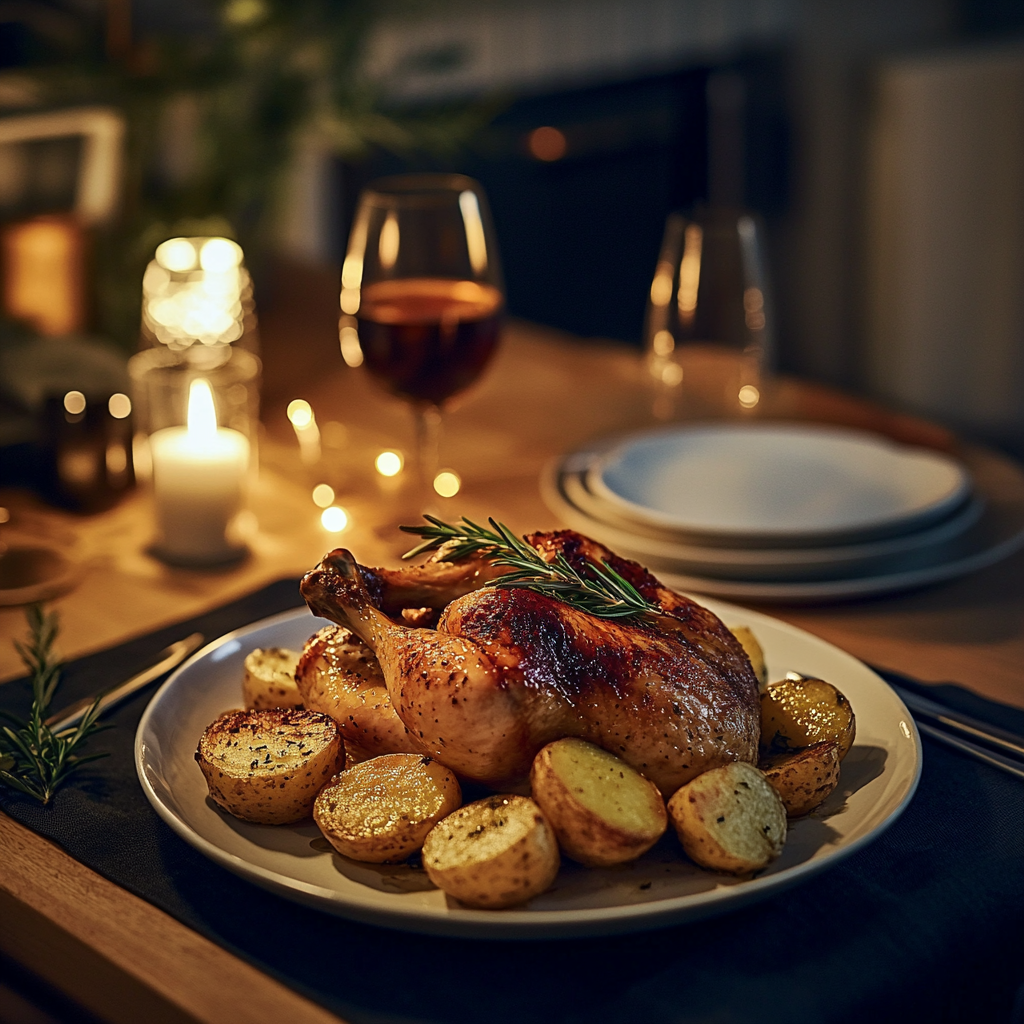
point(878, 778)
point(777, 483)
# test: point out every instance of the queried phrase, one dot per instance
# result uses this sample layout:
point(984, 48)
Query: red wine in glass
point(427, 339)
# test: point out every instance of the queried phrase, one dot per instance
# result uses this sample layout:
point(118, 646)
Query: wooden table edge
point(118, 956)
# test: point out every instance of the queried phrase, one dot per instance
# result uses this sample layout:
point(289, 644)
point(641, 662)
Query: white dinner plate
point(759, 484)
point(878, 779)
point(889, 554)
point(997, 534)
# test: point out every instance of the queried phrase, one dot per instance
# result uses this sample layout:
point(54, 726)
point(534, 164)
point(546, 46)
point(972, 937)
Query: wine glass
point(708, 332)
point(422, 295)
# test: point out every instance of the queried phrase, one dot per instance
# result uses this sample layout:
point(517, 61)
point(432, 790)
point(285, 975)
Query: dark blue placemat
point(927, 923)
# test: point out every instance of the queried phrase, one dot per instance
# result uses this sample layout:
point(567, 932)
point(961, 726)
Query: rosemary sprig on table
point(33, 758)
point(600, 590)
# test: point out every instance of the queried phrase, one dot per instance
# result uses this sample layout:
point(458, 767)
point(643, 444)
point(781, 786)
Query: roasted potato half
point(382, 809)
point(270, 679)
point(797, 713)
point(493, 853)
point(730, 819)
point(754, 652)
point(268, 766)
point(603, 811)
point(805, 778)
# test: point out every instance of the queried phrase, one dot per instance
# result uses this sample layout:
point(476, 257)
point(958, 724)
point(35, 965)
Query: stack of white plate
point(784, 512)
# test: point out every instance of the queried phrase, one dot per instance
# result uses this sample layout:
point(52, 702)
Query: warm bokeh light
point(387, 244)
point(5, 515)
point(177, 255)
point(389, 463)
point(219, 255)
point(351, 350)
point(74, 402)
point(661, 286)
point(119, 406)
point(196, 290)
point(447, 483)
point(323, 495)
point(749, 396)
point(350, 301)
point(672, 374)
point(663, 343)
point(689, 273)
point(334, 519)
point(547, 144)
point(300, 413)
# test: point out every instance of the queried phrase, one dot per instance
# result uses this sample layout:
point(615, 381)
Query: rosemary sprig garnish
point(600, 591)
point(33, 758)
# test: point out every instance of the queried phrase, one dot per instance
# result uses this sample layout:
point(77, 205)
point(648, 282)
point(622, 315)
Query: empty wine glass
point(422, 296)
point(708, 328)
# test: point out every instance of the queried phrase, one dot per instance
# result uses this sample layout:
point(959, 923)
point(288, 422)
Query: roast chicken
point(505, 671)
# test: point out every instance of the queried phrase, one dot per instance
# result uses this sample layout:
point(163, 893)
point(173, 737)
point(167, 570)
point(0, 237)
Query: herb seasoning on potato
point(730, 819)
point(804, 778)
point(268, 766)
point(494, 853)
point(270, 679)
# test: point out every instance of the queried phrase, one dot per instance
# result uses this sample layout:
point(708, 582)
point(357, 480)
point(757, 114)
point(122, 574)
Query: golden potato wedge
point(730, 819)
point(270, 679)
point(805, 778)
point(493, 853)
point(754, 652)
point(268, 766)
point(381, 810)
point(797, 713)
point(603, 811)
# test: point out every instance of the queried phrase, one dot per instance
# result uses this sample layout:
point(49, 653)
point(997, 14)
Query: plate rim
point(945, 530)
point(788, 592)
point(870, 529)
point(510, 924)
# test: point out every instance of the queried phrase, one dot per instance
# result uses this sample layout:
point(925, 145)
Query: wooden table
point(126, 960)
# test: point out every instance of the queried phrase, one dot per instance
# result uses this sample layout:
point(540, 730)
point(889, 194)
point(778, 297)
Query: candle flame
point(202, 416)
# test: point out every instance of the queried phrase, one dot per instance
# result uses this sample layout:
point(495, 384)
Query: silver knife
point(966, 747)
point(971, 728)
point(168, 658)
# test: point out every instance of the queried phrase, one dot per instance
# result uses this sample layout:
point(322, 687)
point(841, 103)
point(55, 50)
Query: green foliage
point(33, 758)
point(600, 591)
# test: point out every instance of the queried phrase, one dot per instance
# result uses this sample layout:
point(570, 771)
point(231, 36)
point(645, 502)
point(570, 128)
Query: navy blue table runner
point(926, 924)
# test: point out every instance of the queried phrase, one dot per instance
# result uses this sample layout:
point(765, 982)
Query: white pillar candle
point(199, 474)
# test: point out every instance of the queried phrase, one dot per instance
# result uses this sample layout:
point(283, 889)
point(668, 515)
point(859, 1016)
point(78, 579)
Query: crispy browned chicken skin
point(508, 670)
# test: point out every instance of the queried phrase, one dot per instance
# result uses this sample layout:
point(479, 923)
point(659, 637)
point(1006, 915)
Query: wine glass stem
point(428, 440)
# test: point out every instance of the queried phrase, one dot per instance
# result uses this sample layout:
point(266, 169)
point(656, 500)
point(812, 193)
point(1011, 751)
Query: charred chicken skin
point(508, 670)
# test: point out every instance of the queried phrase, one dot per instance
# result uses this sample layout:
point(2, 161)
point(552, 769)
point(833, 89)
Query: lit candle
point(199, 482)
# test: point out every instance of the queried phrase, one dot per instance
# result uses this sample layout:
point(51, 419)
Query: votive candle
point(199, 477)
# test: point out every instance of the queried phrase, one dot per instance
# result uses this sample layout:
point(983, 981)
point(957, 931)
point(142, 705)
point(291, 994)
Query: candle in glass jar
point(199, 474)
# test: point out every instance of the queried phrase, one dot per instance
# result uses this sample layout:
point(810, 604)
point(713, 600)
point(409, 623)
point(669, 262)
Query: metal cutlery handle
point(963, 724)
point(988, 756)
point(168, 659)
